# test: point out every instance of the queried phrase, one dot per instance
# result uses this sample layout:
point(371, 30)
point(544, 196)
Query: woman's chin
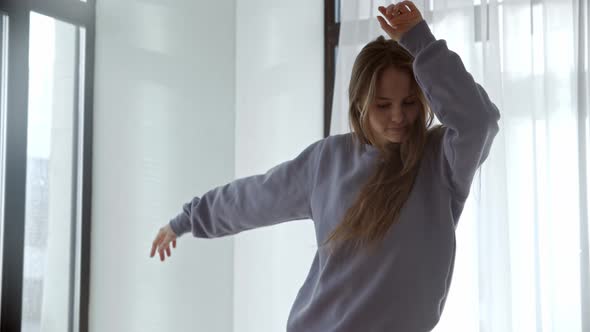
point(395, 138)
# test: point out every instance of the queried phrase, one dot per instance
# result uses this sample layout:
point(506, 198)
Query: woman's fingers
point(153, 251)
point(397, 14)
point(399, 18)
point(389, 11)
point(392, 25)
point(387, 16)
point(410, 5)
point(403, 7)
point(161, 244)
point(406, 17)
point(383, 12)
point(165, 248)
point(385, 26)
point(395, 9)
point(408, 10)
point(156, 243)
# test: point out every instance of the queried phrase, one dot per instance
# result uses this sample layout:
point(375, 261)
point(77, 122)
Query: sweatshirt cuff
point(417, 38)
point(180, 224)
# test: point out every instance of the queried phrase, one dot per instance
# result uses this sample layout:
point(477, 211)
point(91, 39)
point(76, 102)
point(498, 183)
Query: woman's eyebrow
point(385, 98)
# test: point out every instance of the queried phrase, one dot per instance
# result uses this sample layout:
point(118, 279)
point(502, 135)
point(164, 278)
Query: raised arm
point(461, 105)
point(281, 194)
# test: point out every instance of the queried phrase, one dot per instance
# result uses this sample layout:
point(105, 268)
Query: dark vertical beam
point(331, 33)
point(15, 172)
point(87, 169)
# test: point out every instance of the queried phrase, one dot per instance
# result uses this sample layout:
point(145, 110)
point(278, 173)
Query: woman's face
point(395, 107)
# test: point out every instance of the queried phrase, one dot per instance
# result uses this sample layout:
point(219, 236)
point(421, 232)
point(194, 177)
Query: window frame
point(331, 35)
point(81, 14)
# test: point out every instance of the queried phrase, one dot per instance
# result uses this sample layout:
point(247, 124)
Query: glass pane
point(52, 174)
point(3, 94)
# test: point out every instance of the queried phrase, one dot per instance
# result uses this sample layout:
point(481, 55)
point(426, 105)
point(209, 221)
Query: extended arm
point(281, 194)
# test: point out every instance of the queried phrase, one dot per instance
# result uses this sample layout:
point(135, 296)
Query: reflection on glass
point(52, 175)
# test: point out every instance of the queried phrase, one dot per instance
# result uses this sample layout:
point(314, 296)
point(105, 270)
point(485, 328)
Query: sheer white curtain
point(522, 240)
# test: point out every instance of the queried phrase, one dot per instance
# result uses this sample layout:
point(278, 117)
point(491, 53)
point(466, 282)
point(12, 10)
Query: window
point(45, 148)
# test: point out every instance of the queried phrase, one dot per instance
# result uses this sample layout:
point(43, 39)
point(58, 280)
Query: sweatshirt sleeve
point(281, 194)
point(469, 117)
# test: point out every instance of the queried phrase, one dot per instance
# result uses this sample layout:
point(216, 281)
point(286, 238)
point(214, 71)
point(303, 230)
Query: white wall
point(279, 112)
point(180, 87)
point(163, 132)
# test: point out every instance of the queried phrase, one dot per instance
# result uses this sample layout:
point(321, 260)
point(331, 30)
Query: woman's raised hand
point(399, 18)
point(162, 242)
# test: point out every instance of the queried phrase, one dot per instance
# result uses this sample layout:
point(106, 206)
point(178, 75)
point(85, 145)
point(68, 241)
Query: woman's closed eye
point(387, 105)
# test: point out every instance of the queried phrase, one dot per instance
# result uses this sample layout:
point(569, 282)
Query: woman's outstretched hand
point(162, 242)
point(399, 18)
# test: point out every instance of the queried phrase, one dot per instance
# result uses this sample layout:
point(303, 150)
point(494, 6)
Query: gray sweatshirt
point(403, 286)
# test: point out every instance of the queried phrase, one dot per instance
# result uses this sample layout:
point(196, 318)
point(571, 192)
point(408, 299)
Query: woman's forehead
point(394, 84)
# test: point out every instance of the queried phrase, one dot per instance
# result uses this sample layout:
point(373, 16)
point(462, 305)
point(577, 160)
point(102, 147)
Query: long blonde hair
point(378, 204)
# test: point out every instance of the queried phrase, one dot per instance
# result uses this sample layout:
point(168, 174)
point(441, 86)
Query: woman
point(385, 199)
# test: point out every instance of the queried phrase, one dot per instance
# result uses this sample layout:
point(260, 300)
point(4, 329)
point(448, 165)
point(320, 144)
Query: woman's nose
point(396, 114)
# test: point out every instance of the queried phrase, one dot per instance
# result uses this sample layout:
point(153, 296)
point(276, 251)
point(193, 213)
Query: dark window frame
point(81, 14)
point(331, 35)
